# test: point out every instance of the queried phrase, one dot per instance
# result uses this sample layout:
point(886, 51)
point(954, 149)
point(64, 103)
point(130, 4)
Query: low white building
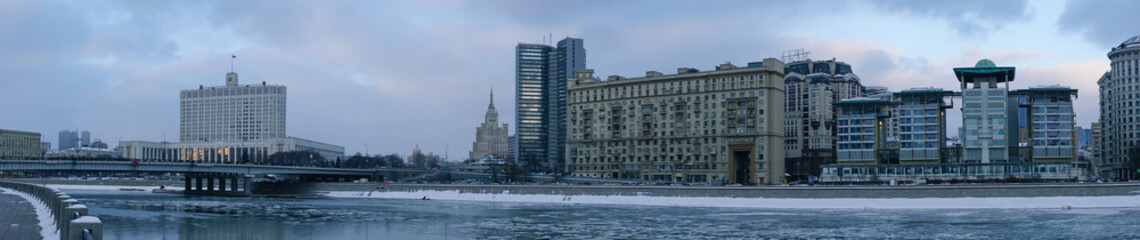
point(225, 152)
point(229, 124)
point(82, 153)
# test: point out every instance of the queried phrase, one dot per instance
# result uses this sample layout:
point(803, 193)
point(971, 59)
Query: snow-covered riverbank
point(772, 203)
point(66, 187)
point(1045, 202)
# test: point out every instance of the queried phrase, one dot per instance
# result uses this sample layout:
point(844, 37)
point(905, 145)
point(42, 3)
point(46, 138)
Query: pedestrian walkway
point(17, 218)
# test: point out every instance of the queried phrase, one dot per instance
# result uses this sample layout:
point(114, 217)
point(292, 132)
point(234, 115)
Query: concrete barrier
point(65, 210)
point(85, 225)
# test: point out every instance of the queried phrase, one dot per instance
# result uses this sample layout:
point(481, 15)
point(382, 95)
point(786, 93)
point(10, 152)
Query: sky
point(385, 76)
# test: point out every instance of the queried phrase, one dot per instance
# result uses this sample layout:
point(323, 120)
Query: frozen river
point(144, 215)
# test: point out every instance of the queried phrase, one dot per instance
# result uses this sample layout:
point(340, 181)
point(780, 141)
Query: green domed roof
point(985, 63)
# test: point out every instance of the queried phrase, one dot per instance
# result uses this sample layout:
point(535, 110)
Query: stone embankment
point(71, 219)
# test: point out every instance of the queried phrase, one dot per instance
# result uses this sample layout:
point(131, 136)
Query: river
point(144, 215)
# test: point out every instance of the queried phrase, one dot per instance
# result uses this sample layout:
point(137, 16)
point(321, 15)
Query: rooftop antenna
point(796, 55)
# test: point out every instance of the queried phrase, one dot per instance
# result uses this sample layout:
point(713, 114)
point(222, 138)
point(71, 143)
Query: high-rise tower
point(810, 127)
point(490, 138)
point(232, 112)
point(1118, 111)
point(541, 72)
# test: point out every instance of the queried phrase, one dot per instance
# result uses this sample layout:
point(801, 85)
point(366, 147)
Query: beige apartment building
point(720, 126)
point(20, 145)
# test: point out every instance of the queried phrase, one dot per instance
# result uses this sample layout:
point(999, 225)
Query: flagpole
point(232, 57)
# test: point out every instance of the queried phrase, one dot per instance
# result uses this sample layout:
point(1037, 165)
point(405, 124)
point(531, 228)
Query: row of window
point(927, 144)
point(926, 128)
point(849, 146)
point(927, 136)
point(919, 120)
point(861, 137)
point(993, 132)
point(905, 112)
point(1052, 134)
point(979, 111)
point(988, 99)
point(856, 129)
point(846, 122)
point(993, 121)
point(1053, 142)
point(1068, 126)
point(1052, 118)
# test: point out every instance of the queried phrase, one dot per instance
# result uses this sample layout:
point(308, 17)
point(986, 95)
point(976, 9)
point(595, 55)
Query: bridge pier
point(217, 184)
point(234, 184)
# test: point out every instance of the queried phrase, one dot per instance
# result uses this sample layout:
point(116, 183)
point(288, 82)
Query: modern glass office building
point(530, 102)
point(985, 112)
point(1052, 132)
point(904, 138)
point(922, 124)
point(541, 73)
point(862, 124)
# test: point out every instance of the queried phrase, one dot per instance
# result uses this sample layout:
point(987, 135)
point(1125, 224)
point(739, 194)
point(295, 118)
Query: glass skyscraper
point(541, 72)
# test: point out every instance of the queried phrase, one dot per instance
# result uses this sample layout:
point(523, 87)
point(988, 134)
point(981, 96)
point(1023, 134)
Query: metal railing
point(840, 173)
point(71, 219)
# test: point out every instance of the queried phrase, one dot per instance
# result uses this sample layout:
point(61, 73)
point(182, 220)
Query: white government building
point(229, 124)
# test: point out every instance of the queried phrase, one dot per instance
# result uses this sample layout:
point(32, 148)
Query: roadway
point(200, 168)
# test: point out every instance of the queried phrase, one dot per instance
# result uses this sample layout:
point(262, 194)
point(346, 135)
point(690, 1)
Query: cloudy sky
point(392, 74)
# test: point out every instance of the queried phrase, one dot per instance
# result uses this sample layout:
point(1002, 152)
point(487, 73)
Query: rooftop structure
point(983, 70)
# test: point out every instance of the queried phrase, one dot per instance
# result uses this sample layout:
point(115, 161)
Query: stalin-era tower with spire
point(490, 137)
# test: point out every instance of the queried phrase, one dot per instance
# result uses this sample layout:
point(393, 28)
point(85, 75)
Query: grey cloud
point(971, 18)
point(386, 74)
point(1105, 23)
point(874, 64)
point(361, 73)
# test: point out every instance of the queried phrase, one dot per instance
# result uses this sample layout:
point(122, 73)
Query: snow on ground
point(99, 187)
point(43, 214)
point(775, 203)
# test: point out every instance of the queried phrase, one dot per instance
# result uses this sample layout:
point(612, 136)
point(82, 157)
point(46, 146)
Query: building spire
point(492, 116)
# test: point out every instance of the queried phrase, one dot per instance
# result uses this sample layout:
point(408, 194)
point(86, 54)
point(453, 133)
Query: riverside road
point(17, 218)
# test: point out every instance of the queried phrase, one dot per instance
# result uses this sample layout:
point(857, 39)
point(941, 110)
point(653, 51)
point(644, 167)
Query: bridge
point(231, 179)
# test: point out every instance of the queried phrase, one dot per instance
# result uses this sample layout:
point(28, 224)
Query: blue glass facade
point(570, 56)
point(921, 115)
point(541, 72)
point(531, 62)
